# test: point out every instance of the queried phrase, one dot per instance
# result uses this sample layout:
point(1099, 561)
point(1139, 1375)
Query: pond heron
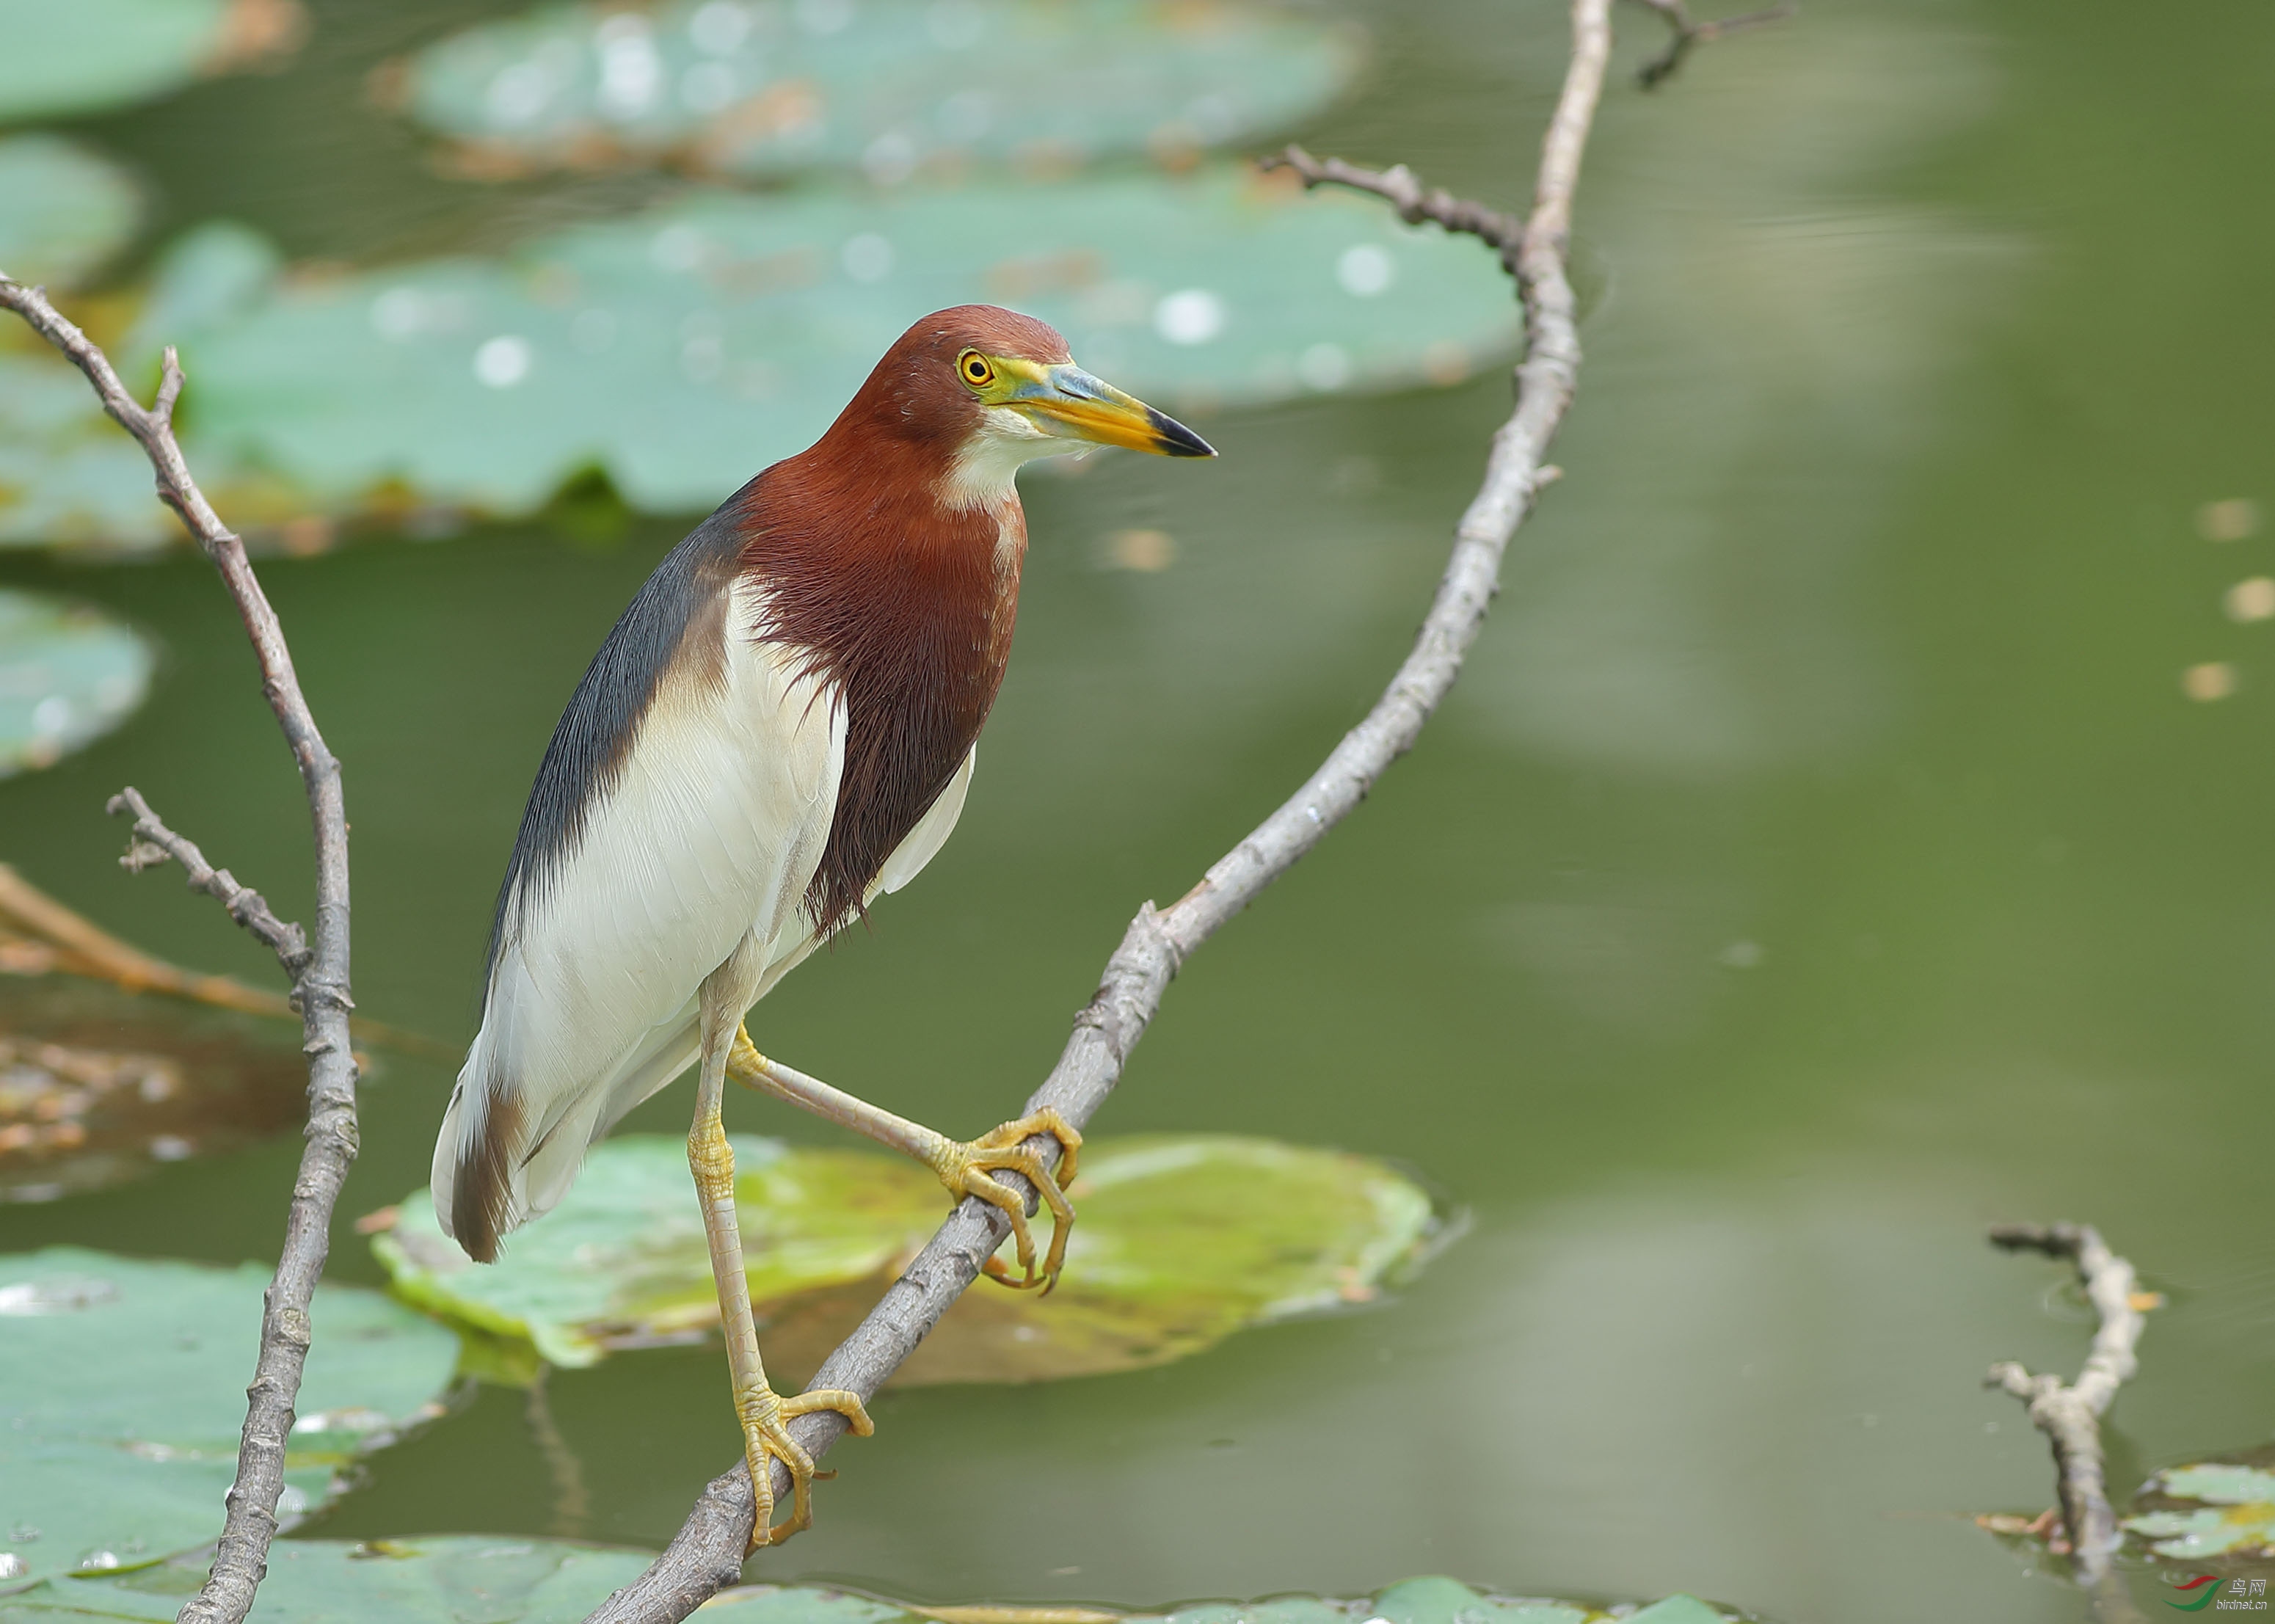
point(779, 729)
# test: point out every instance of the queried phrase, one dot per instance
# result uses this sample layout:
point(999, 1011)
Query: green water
point(1819, 860)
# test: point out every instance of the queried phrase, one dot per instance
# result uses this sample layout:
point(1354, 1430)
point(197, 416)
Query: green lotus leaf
point(680, 350)
point(71, 477)
point(1439, 1601)
point(87, 54)
point(2206, 1510)
point(99, 1086)
point(62, 211)
point(69, 674)
point(438, 1581)
point(1182, 1242)
point(894, 89)
point(492, 1581)
point(122, 1393)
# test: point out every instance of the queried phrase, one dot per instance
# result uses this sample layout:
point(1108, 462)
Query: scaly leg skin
point(763, 1412)
point(965, 1168)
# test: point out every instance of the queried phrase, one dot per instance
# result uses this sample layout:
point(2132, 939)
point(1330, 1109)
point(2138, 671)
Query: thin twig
point(320, 987)
point(706, 1555)
point(84, 948)
point(1688, 35)
point(1398, 186)
point(2070, 1416)
point(156, 843)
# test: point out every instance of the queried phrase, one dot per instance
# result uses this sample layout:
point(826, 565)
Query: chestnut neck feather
point(904, 603)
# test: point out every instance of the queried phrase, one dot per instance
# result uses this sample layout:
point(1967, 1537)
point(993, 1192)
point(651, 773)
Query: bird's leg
point(761, 1412)
point(966, 1167)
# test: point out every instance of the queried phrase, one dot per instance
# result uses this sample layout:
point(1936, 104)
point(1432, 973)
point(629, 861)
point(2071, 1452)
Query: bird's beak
point(1068, 402)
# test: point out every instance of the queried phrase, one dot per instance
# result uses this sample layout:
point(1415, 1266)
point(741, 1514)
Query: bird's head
point(992, 388)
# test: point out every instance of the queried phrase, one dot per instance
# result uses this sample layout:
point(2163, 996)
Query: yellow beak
point(1066, 401)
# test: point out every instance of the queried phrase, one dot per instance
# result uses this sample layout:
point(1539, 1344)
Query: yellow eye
point(975, 369)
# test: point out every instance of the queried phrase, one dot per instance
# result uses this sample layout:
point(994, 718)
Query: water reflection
point(1773, 360)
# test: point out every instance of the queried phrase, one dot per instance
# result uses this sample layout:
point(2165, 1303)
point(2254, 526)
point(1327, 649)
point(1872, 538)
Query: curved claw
point(765, 1433)
point(1005, 1150)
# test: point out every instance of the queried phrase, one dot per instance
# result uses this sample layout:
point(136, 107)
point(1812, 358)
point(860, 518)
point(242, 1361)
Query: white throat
point(985, 470)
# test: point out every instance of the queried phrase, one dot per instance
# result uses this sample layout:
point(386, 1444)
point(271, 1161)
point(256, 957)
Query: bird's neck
point(904, 595)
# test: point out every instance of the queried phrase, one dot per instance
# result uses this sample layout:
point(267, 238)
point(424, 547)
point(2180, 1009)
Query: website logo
point(2205, 1590)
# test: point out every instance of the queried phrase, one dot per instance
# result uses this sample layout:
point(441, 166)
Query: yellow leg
point(966, 1168)
point(761, 1411)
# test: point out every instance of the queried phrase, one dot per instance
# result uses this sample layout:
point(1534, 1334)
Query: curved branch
point(1397, 186)
point(319, 981)
point(2070, 1416)
point(706, 1555)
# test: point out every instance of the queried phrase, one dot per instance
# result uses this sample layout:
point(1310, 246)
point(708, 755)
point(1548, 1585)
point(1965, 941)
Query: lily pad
point(2210, 1510)
point(740, 325)
point(71, 477)
point(122, 1392)
point(62, 211)
point(1182, 1241)
point(69, 674)
point(98, 1086)
point(450, 1581)
point(896, 89)
point(93, 54)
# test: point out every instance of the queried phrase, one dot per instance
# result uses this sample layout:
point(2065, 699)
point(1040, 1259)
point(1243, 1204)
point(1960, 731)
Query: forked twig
point(319, 971)
point(1414, 204)
point(2070, 1416)
point(1688, 35)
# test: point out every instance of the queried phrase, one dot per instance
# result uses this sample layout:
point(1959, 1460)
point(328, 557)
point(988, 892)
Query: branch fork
point(319, 968)
point(2069, 1413)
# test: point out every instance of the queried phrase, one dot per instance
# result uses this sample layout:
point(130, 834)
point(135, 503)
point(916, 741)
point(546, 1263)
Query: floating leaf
point(69, 674)
point(86, 54)
point(122, 1392)
point(736, 327)
point(68, 473)
point(895, 87)
point(62, 211)
point(2207, 1510)
point(98, 1086)
point(69, 476)
point(441, 1581)
point(1182, 1242)
point(453, 1580)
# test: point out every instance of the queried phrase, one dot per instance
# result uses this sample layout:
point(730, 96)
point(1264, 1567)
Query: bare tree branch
point(708, 1553)
point(2070, 1416)
point(1397, 185)
point(156, 843)
point(320, 987)
point(1688, 35)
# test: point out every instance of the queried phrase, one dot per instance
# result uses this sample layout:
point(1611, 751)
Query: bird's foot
point(765, 1416)
point(968, 1169)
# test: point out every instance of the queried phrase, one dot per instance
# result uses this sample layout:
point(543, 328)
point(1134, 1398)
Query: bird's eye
point(975, 369)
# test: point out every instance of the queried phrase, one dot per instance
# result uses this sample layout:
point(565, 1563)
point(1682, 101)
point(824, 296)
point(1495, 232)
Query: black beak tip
point(1172, 438)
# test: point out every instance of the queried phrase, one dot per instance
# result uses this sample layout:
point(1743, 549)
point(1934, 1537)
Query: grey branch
point(706, 1555)
point(320, 978)
point(1688, 35)
point(2070, 1416)
point(1397, 186)
point(153, 843)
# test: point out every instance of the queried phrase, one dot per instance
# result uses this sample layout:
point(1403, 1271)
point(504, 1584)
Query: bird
point(779, 730)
